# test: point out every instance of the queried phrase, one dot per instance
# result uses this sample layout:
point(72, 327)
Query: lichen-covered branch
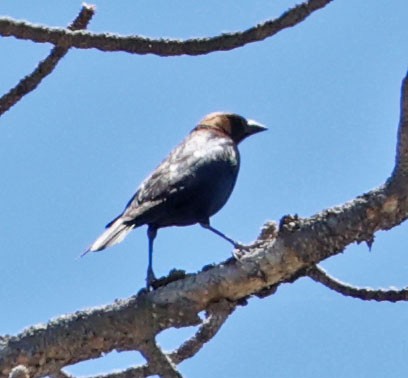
point(156, 358)
point(162, 47)
point(45, 67)
point(367, 294)
point(44, 350)
point(217, 314)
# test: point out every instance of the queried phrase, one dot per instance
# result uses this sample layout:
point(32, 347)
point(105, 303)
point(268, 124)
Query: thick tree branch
point(217, 314)
point(161, 47)
point(319, 275)
point(90, 333)
point(45, 67)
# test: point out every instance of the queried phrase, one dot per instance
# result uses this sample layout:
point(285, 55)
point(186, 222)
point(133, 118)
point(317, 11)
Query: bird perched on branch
point(188, 187)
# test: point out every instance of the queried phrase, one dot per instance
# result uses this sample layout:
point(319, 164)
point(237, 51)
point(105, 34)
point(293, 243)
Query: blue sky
point(73, 152)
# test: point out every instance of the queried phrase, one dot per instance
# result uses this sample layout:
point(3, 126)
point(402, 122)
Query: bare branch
point(162, 47)
point(45, 67)
point(217, 314)
point(401, 163)
point(366, 294)
point(159, 361)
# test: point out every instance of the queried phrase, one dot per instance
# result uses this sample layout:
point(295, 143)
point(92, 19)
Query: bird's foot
point(153, 283)
point(150, 280)
point(240, 250)
point(174, 275)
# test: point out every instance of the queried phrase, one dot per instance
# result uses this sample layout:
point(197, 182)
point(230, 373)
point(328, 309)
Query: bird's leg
point(151, 234)
point(236, 245)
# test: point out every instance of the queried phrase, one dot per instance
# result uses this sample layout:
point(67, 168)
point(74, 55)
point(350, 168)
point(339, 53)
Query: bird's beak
point(254, 127)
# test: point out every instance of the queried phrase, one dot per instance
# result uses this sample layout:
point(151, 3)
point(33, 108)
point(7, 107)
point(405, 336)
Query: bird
point(189, 186)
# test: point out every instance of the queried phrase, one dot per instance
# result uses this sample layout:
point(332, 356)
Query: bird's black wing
point(178, 173)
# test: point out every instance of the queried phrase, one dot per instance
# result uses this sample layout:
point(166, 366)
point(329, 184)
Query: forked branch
point(162, 47)
point(45, 67)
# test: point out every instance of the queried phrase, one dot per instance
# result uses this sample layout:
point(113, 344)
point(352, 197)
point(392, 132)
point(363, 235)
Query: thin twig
point(162, 47)
point(401, 161)
point(367, 294)
point(46, 66)
point(217, 314)
point(158, 361)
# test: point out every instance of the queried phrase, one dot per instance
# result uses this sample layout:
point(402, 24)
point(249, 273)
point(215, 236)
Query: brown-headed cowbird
point(189, 186)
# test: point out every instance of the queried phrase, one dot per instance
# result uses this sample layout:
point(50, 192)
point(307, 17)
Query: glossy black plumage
point(189, 186)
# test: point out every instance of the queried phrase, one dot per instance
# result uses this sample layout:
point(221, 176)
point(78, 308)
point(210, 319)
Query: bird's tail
point(115, 232)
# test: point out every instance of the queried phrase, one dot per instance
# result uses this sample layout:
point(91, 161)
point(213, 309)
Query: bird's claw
point(240, 250)
point(150, 280)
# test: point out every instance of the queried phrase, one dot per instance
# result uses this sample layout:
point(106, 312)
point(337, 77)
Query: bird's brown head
point(232, 125)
